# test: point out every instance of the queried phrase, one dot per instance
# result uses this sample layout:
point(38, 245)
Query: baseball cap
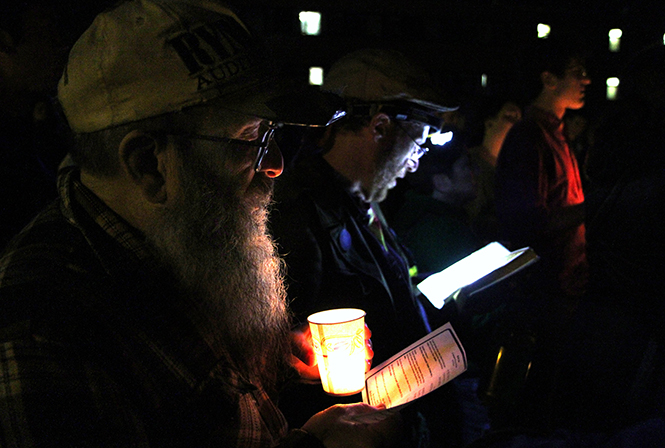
point(145, 58)
point(380, 75)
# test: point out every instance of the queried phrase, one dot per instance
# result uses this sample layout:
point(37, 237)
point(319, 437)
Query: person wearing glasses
point(339, 250)
point(145, 306)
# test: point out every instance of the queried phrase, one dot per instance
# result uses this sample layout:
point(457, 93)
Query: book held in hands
point(438, 357)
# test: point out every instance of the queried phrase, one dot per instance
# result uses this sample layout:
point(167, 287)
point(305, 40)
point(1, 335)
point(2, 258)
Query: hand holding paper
point(417, 370)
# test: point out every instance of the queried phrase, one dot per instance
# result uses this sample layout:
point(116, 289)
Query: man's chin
point(260, 193)
point(576, 106)
point(379, 195)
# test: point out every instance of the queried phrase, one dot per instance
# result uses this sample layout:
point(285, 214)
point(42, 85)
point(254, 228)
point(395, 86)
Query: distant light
point(615, 39)
point(612, 82)
point(612, 88)
point(663, 39)
point(440, 139)
point(483, 80)
point(543, 31)
point(310, 23)
point(316, 76)
point(615, 33)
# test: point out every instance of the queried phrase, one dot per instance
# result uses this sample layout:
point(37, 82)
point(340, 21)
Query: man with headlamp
point(339, 250)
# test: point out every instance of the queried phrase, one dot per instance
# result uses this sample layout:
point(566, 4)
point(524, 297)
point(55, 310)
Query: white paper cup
point(338, 338)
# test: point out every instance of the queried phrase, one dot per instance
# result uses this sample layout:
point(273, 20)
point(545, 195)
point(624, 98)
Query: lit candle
point(338, 338)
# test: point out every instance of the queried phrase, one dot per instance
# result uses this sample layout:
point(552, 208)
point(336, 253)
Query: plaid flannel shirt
point(96, 348)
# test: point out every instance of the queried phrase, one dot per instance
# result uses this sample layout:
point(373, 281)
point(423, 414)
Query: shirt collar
point(81, 204)
point(544, 116)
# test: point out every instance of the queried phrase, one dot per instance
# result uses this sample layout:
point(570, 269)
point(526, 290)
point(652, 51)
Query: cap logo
point(213, 52)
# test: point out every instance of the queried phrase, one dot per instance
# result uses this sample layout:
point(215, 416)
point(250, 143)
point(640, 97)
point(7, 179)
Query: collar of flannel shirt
point(73, 193)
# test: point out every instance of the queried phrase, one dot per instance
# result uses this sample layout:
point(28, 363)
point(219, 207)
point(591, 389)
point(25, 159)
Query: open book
point(439, 356)
point(475, 272)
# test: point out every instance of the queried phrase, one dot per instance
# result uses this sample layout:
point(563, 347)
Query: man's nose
point(412, 165)
point(272, 164)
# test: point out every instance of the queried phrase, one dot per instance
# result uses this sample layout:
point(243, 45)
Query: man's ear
point(140, 156)
point(379, 125)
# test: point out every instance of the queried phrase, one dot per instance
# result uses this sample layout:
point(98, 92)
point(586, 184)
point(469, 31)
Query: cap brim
point(303, 106)
point(436, 107)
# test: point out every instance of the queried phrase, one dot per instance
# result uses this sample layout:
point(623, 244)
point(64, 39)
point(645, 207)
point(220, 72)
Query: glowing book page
point(417, 370)
point(469, 270)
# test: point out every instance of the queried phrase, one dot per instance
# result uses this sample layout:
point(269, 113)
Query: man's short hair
point(555, 54)
point(97, 152)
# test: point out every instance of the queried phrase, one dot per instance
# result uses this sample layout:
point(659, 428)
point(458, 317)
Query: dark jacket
point(334, 260)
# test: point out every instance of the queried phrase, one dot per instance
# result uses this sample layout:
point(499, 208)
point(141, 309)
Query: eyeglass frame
point(262, 143)
point(421, 151)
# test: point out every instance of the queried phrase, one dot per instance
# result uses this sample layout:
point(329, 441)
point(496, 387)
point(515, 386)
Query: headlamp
point(400, 110)
point(439, 134)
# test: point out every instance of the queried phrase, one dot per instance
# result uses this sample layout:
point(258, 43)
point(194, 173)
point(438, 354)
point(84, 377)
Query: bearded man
point(145, 306)
point(339, 249)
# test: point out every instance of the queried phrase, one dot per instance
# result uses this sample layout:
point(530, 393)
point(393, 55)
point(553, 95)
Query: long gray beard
point(215, 241)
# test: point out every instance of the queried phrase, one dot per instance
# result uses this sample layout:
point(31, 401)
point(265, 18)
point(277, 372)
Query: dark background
point(458, 40)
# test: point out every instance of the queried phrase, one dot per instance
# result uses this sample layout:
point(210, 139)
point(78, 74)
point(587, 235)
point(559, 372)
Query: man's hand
point(303, 358)
point(343, 426)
